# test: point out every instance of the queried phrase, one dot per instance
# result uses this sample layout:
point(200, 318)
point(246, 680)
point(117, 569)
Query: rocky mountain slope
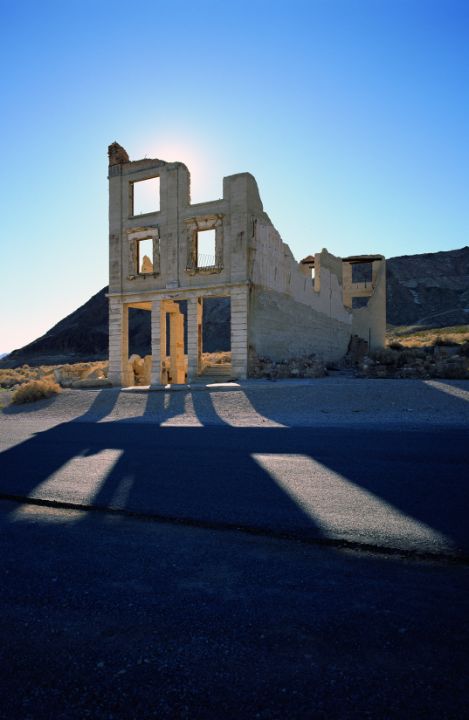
point(430, 290)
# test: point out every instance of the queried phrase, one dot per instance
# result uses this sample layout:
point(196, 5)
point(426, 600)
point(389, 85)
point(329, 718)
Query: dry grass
point(410, 338)
point(10, 378)
point(35, 390)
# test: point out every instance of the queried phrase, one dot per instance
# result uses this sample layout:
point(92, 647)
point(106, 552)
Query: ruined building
point(172, 251)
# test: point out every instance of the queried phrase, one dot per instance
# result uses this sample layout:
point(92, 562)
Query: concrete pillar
point(176, 320)
point(200, 309)
point(239, 332)
point(118, 342)
point(192, 339)
point(158, 340)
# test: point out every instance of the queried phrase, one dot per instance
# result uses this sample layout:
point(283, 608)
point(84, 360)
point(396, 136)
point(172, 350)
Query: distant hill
point(429, 290)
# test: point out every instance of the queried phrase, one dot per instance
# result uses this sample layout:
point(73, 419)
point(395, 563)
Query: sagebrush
point(35, 390)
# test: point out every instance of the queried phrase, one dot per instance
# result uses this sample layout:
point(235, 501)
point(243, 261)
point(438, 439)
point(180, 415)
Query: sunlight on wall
point(331, 501)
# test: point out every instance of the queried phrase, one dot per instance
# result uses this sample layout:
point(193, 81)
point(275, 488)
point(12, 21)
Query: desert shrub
point(385, 356)
point(464, 349)
point(410, 355)
point(444, 340)
point(35, 390)
point(395, 345)
point(9, 378)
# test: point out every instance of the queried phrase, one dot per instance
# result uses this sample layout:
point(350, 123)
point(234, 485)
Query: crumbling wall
point(290, 315)
point(369, 322)
point(273, 266)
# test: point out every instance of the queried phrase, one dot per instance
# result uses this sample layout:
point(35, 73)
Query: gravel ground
point(329, 401)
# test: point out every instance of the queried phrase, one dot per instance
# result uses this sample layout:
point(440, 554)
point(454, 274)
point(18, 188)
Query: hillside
point(429, 290)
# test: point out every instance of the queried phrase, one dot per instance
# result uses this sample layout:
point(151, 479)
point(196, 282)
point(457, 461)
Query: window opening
point(206, 249)
point(146, 196)
point(139, 333)
point(145, 256)
point(361, 273)
point(216, 334)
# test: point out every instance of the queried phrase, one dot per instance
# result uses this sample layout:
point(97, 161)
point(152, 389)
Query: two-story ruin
point(164, 250)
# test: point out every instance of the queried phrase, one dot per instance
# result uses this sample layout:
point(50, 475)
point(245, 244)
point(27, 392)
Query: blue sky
point(353, 117)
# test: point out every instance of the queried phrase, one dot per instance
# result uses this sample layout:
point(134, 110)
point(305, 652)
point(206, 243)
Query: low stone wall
point(303, 367)
point(450, 362)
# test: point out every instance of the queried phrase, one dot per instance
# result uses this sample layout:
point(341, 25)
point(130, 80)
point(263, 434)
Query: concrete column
point(177, 347)
point(118, 342)
point(200, 309)
point(192, 338)
point(239, 332)
point(158, 340)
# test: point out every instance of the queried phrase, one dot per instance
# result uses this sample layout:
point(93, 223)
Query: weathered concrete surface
point(274, 329)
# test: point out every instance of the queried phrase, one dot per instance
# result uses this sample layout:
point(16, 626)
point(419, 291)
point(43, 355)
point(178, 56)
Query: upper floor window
point(145, 256)
point(362, 273)
point(145, 196)
point(206, 245)
point(144, 252)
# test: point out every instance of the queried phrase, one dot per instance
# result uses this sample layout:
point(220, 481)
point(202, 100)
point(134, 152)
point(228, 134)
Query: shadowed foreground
point(111, 618)
point(114, 617)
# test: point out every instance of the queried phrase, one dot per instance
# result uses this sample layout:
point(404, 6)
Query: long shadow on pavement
point(227, 476)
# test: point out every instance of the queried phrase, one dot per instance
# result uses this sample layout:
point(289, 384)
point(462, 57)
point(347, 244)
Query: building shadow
point(222, 476)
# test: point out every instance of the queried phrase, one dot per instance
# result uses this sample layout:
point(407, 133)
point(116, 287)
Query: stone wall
point(281, 328)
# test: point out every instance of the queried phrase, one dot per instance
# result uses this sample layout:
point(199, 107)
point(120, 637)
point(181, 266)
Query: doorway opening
point(216, 339)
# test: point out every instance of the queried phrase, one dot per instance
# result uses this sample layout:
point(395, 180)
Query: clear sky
point(353, 117)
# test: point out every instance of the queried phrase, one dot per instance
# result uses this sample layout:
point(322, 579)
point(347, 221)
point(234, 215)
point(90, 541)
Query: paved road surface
point(107, 616)
point(402, 489)
point(121, 618)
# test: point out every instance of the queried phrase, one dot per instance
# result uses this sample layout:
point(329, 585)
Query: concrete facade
point(176, 251)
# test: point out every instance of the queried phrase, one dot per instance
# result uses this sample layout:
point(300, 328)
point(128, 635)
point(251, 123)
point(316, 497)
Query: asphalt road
point(378, 487)
point(110, 617)
point(231, 572)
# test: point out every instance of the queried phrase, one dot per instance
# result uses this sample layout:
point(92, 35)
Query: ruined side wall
point(369, 322)
point(273, 266)
point(281, 328)
point(291, 315)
